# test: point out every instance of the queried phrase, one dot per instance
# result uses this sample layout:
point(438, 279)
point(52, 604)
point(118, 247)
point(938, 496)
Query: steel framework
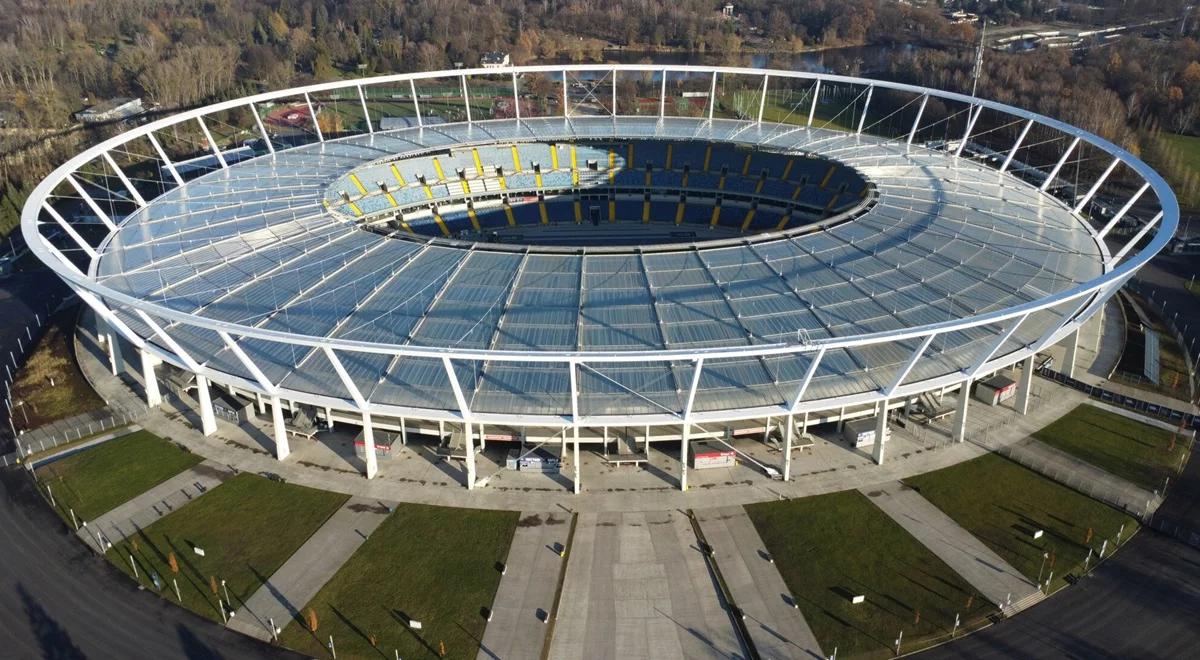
point(47, 230)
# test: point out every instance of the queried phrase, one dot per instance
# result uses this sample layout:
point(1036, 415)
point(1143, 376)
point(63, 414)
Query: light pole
point(1045, 556)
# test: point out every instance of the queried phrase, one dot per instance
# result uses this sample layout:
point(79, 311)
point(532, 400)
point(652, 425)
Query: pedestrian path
point(517, 628)
point(310, 567)
point(994, 578)
point(777, 629)
point(638, 588)
point(143, 510)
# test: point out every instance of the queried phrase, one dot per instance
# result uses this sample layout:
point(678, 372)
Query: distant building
point(111, 110)
point(495, 60)
point(727, 10)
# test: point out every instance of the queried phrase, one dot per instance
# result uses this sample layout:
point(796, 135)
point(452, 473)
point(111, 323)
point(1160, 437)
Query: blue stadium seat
point(629, 211)
point(492, 218)
point(526, 214)
point(560, 212)
point(696, 213)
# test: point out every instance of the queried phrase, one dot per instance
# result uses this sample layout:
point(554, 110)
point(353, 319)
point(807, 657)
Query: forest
point(59, 56)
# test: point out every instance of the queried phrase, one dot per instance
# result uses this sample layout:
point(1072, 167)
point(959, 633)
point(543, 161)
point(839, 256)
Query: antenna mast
point(979, 57)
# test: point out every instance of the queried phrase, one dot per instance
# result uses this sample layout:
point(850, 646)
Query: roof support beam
point(917, 122)
point(996, 345)
point(1096, 186)
point(697, 368)
point(762, 100)
point(1121, 214)
point(137, 196)
point(1016, 146)
point(263, 381)
point(812, 110)
point(463, 409)
point(262, 129)
point(412, 86)
point(662, 96)
point(212, 144)
point(807, 380)
point(712, 96)
point(183, 355)
point(1137, 237)
point(91, 203)
point(362, 99)
point(862, 121)
point(312, 112)
point(908, 367)
point(466, 98)
point(162, 155)
point(66, 227)
point(1059, 165)
point(348, 382)
point(517, 96)
point(972, 118)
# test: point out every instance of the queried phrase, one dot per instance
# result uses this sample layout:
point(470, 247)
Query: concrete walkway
point(143, 510)
point(637, 587)
point(309, 568)
point(776, 628)
point(966, 555)
point(526, 593)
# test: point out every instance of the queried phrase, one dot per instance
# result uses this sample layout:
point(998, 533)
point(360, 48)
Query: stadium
point(604, 256)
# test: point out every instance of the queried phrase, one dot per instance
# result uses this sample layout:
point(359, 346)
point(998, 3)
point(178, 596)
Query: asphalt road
point(59, 600)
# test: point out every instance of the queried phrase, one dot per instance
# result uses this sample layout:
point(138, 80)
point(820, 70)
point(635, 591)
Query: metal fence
point(70, 430)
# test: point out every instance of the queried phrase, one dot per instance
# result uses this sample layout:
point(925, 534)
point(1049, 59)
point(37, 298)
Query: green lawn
point(99, 478)
point(1124, 447)
point(1002, 503)
point(830, 545)
point(247, 527)
point(436, 565)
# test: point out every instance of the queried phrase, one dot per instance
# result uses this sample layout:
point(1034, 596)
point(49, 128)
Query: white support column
point(516, 98)
point(662, 98)
point(149, 379)
point(762, 100)
point(862, 121)
point(972, 117)
point(467, 99)
point(262, 130)
point(1096, 186)
point(369, 456)
point(1072, 353)
point(1059, 165)
point(881, 431)
point(812, 110)
point(575, 461)
point(787, 448)
point(1099, 329)
point(959, 432)
point(162, 155)
point(208, 422)
point(212, 144)
point(362, 99)
point(114, 351)
point(565, 101)
point(712, 96)
point(282, 449)
point(468, 429)
point(312, 112)
point(1024, 386)
point(917, 122)
point(614, 92)
point(133, 192)
point(260, 404)
point(683, 457)
point(412, 87)
point(1124, 209)
point(1016, 146)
